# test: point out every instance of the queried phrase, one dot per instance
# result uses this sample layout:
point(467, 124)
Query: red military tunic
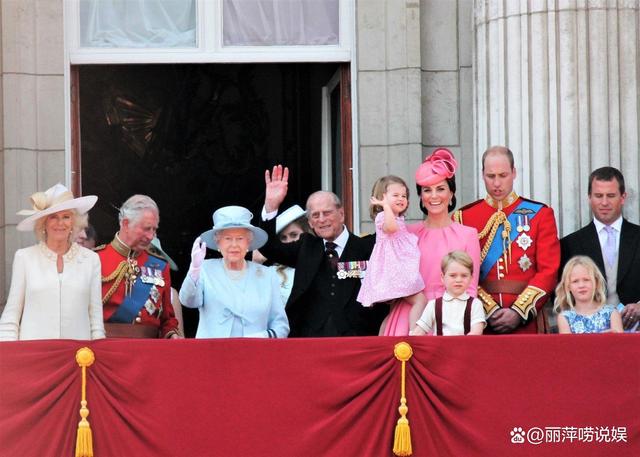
point(116, 258)
point(525, 275)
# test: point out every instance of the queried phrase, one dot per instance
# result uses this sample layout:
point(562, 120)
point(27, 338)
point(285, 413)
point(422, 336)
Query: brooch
point(524, 262)
point(524, 241)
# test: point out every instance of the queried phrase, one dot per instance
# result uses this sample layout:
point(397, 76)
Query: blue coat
point(234, 308)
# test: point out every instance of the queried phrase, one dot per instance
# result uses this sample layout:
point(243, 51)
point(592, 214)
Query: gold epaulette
point(457, 216)
point(490, 305)
point(526, 301)
point(99, 248)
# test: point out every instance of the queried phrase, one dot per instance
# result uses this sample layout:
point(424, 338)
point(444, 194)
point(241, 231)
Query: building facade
point(556, 80)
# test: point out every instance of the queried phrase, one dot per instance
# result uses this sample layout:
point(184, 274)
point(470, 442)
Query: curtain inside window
point(137, 23)
point(280, 22)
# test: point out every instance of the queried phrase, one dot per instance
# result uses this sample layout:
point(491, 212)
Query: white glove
point(198, 253)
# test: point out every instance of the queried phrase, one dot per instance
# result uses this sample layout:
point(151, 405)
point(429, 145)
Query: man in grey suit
point(611, 241)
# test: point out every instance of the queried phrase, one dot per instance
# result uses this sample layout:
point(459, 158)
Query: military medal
point(152, 276)
point(524, 241)
point(144, 275)
point(154, 294)
point(352, 269)
point(150, 307)
point(524, 262)
point(159, 280)
point(523, 219)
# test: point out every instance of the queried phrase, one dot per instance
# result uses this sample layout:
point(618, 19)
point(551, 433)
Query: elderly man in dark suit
point(611, 241)
point(328, 265)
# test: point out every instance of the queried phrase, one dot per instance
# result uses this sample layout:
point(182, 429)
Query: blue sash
point(496, 249)
point(132, 303)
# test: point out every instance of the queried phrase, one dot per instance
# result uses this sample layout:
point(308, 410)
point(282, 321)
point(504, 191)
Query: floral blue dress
point(597, 322)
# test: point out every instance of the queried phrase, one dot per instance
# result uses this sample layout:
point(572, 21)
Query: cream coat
point(43, 304)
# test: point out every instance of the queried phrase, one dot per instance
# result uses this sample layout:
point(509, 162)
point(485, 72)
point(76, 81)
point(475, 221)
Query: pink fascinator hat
point(438, 166)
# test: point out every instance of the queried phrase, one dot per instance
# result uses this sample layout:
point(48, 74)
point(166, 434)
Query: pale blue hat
point(229, 217)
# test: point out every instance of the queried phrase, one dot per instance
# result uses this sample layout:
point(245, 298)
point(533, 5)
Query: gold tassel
point(402, 437)
point(84, 440)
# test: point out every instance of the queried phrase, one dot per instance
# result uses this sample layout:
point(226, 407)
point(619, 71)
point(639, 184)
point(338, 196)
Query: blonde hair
point(380, 187)
point(80, 221)
point(564, 300)
point(460, 257)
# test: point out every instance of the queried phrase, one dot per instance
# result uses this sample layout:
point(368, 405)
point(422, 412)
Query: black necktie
point(332, 254)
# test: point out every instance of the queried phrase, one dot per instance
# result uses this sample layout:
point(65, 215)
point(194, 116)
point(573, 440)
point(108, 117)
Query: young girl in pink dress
point(393, 268)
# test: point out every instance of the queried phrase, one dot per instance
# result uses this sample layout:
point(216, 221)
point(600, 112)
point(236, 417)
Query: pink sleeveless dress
point(393, 268)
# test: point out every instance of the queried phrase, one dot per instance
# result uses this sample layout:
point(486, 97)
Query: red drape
point(323, 397)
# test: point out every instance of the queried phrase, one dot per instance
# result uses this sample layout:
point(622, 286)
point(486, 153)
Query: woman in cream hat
point(55, 286)
point(235, 297)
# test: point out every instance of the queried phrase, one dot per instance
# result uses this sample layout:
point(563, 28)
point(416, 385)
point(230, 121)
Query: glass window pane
point(137, 23)
point(280, 22)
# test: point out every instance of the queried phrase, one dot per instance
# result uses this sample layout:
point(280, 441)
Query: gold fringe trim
point(402, 437)
point(118, 274)
point(84, 440)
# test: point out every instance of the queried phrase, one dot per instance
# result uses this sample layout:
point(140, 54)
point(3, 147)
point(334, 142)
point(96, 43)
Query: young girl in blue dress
point(580, 298)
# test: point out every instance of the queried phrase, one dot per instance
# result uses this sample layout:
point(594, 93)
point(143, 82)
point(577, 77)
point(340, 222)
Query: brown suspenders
point(467, 316)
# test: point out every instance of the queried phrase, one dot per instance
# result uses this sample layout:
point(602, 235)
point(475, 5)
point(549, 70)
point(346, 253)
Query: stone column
point(388, 106)
point(32, 114)
point(447, 82)
point(557, 81)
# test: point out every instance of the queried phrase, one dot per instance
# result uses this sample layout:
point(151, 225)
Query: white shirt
point(452, 314)
point(341, 241)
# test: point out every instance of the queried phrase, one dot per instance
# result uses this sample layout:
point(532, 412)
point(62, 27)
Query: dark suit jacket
point(306, 314)
point(585, 242)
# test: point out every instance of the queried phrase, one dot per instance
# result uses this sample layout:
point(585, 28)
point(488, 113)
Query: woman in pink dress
point(437, 235)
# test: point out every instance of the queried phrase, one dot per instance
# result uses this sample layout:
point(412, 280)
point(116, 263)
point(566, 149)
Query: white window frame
point(209, 43)
point(209, 49)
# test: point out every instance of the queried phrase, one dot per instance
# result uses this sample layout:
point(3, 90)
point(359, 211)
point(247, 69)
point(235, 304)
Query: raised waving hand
point(276, 186)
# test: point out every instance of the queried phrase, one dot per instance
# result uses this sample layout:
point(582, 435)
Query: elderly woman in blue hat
point(55, 287)
point(235, 297)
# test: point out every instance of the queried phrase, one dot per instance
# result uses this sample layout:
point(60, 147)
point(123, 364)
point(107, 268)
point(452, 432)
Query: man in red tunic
point(520, 251)
point(136, 285)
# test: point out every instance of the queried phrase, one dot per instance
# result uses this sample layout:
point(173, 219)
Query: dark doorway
point(196, 137)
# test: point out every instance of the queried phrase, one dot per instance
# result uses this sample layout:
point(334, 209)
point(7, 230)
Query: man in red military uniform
point(520, 251)
point(136, 285)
